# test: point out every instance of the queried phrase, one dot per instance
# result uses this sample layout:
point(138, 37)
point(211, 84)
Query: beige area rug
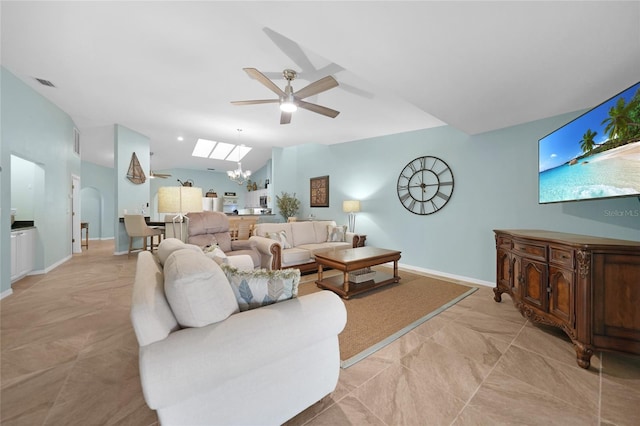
point(380, 316)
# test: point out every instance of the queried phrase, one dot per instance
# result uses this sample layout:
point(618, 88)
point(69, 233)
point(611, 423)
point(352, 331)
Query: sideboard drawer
point(532, 251)
point(503, 242)
point(561, 256)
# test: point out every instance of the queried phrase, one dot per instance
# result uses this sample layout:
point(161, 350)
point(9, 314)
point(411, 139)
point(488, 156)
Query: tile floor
point(69, 357)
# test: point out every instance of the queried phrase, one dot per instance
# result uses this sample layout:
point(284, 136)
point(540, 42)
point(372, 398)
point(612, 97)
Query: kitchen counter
point(19, 225)
point(250, 215)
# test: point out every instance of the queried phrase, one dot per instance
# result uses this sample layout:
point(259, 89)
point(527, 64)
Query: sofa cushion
point(281, 237)
point(261, 229)
point(296, 255)
point(169, 245)
point(321, 227)
point(262, 287)
point(336, 234)
point(207, 223)
point(151, 314)
point(302, 233)
point(197, 289)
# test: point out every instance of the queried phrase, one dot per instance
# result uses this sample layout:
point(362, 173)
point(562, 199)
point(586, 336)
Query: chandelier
point(238, 175)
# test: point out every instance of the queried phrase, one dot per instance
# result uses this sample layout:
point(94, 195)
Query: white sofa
point(303, 239)
point(257, 367)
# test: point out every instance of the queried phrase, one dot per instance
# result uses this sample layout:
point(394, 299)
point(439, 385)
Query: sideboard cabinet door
point(562, 295)
point(616, 301)
point(533, 276)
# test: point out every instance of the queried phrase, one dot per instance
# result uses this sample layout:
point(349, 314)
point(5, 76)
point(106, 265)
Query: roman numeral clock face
point(425, 185)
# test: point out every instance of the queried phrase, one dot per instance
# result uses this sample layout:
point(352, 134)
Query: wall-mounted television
point(597, 155)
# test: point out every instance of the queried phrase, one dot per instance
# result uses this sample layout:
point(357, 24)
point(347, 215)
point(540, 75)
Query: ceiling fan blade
point(319, 109)
point(316, 87)
point(160, 175)
point(257, 75)
point(285, 117)
point(255, 102)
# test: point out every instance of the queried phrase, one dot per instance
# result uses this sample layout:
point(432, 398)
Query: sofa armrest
point(270, 251)
point(192, 361)
point(353, 238)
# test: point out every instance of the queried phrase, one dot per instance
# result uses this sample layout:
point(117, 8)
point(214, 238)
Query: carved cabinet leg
point(497, 294)
point(583, 354)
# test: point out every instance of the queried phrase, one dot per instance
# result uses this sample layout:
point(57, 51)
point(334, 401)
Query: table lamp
point(351, 207)
point(179, 200)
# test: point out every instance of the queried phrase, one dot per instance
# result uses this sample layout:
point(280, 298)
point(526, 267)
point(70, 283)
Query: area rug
point(380, 316)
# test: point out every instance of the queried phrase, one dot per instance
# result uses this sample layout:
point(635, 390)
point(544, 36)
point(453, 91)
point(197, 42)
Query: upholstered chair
point(137, 228)
point(210, 228)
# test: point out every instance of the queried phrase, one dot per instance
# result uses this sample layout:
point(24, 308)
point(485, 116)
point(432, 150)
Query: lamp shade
point(179, 199)
point(351, 206)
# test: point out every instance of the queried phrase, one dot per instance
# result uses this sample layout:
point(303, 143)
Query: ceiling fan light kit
point(289, 100)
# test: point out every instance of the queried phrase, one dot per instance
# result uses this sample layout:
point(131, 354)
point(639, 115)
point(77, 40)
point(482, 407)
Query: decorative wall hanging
point(135, 173)
point(319, 191)
point(425, 185)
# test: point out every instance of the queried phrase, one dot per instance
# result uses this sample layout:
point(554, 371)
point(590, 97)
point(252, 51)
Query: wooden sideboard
point(587, 286)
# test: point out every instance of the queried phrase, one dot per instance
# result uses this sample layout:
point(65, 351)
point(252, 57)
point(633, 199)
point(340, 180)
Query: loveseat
point(293, 244)
point(203, 361)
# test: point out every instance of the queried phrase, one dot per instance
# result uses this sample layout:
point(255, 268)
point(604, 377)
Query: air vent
point(45, 82)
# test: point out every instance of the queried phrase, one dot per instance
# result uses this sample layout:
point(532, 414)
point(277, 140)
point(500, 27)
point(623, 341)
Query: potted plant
point(288, 205)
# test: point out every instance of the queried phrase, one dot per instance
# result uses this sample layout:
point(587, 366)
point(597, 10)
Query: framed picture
point(319, 191)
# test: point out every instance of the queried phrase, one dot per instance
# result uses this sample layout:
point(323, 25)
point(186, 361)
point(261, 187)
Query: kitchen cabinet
point(589, 287)
point(22, 253)
point(252, 198)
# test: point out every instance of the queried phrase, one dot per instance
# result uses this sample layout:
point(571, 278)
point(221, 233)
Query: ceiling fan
point(153, 174)
point(289, 100)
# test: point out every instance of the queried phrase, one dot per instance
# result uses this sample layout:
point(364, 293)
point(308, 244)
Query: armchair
point(209, 228)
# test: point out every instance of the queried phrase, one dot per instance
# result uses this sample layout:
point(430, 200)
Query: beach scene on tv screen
point(596, 155)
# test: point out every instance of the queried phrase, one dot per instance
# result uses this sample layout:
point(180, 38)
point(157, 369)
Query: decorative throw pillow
point(281, 237)
point(262, 287)
point(197, 289)
point(214, 252)
point(337, 233)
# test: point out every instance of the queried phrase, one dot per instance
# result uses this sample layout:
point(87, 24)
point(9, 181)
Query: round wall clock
point(425, 185)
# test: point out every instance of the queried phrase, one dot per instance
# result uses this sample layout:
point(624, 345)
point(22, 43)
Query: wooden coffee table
point(351, 260)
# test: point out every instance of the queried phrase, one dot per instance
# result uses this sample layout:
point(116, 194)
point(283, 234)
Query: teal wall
point(34, 129)
point(495, 188)
point(97, 200)
point(131, 198)
point(99, 193)
point(23, 183)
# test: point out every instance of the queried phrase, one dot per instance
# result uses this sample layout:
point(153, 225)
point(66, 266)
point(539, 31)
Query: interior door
point(75, 215)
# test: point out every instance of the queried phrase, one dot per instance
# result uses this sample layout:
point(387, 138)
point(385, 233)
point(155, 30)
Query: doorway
point(76, 246)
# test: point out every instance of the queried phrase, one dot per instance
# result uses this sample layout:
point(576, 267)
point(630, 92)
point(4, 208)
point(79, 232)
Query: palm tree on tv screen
point(623, 121)
point(587, 143)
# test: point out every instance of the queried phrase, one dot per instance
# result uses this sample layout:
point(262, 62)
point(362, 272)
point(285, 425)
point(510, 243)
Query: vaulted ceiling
point(170, 69)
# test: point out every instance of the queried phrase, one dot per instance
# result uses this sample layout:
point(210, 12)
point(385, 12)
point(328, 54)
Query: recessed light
point(180, 138)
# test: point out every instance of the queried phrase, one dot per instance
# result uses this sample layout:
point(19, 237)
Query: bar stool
point(85, 226)
point(137, 228)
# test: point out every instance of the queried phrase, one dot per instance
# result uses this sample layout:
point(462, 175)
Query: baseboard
point(6, 293)
point(55, 265)
point(447, 275)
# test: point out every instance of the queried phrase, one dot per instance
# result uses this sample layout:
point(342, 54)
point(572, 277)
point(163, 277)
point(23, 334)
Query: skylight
point(219, 150)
